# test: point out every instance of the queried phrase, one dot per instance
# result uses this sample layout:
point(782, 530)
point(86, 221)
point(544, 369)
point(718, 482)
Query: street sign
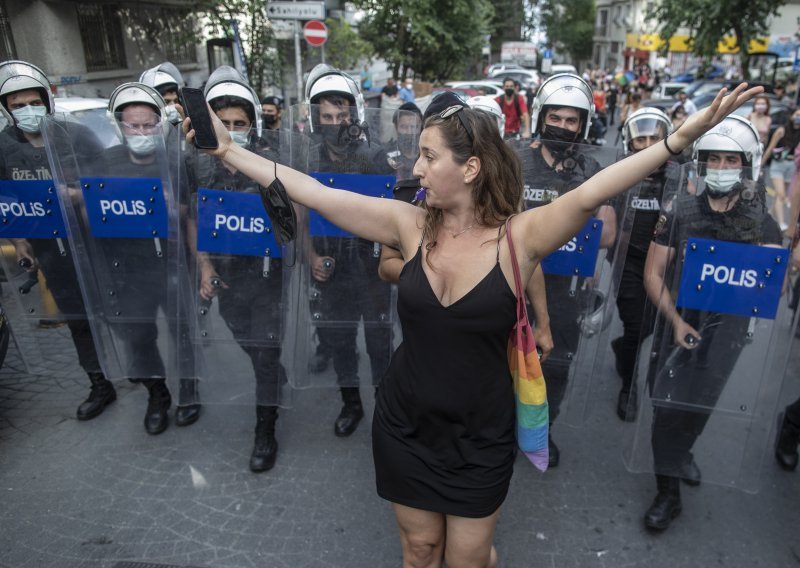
point(315, 32)
point(283, 29)
point(296, 10)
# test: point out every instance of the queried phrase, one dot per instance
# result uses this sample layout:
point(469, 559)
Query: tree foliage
point(710, 21)
point(345, 48)
point(569, 25)
point(262, 59)
point(436, 39)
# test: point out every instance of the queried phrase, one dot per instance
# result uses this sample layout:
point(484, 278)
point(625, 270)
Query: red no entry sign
point(315, 32)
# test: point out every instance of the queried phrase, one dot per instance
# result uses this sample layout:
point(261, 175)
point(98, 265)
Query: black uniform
point(544, 184)
point(140, 279)
point(251, 303)
point(644, 203)
point(354, 288)
point(698, 376)
point(19, 160)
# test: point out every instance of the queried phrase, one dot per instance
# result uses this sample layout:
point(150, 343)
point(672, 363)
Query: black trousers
point(793, 413)
point(62, 281)
point(685, 385)
point(631, 305)
point(353, 292)
point(251, 308)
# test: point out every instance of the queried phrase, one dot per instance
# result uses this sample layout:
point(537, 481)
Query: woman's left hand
point(704, 120)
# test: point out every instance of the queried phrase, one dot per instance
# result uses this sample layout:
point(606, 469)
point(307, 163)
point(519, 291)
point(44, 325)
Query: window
point(101, 33)
point(7, 49)
point(602, 23)
point(615, 46)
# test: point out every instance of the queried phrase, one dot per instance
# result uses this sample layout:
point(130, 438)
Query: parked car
point(557, 68)
point(700, 88)
point(91, 111)
point(464, 93)
point(499, 68)
point(666, 90)
point(692, 73)
point(492, 88)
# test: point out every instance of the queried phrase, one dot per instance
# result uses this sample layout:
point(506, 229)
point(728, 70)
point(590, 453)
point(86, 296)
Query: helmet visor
point(647, 127)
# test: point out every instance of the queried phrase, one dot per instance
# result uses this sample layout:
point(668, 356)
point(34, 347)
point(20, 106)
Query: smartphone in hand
point(196, 108)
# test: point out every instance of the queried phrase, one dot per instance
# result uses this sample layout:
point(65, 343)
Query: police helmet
point(564, 90)
point(489, 105)
point(163, 78)
point(733, 134)
point(134, 93)
point(326, 80)
point(18, 76)
point(647, 121)
point(227, 81)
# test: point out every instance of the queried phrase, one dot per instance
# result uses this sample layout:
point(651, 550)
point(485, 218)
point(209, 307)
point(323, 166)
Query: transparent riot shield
point(42, 296)
point(238, 280)
point(637, 213)
point(709, 375)
point(125, 227)
point(345, 311)
point(578, 275)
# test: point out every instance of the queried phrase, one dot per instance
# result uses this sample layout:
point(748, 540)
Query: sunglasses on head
point(454, 110)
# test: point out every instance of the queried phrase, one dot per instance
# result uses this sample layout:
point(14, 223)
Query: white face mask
point(722, 181)
point(142, 144)
point(760, 108)
point(28, 117)
point(173, 115)
point(239, 138)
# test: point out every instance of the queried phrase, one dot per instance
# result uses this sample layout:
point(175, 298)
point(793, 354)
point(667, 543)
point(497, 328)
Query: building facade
point(88, 48)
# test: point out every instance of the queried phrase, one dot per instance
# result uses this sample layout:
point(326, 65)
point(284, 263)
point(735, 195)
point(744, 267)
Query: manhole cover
point(148, 565)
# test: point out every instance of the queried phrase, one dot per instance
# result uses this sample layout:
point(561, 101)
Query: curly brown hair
point(497, 189)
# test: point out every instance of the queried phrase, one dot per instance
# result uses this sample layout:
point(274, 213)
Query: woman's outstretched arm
point(544, 229)
point(368, 217)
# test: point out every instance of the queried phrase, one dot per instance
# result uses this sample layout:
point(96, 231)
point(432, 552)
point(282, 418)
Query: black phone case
point(197, 110)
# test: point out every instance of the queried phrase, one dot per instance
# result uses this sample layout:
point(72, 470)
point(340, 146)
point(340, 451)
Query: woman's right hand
point(224, 142)
point(704, 120)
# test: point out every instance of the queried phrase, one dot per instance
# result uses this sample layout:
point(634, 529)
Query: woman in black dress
point(443, 429)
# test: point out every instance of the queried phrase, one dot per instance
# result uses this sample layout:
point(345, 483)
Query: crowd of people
point(467, 177)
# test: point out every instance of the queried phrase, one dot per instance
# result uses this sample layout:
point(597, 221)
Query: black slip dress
point(443, 433)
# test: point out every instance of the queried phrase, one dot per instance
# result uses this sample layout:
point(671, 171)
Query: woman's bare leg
point(422, 536)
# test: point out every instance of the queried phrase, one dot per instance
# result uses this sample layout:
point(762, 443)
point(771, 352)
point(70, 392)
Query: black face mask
point(269, 119)
point(406, 143)
point(558, 141)
point(509, 92)
point(280, 210)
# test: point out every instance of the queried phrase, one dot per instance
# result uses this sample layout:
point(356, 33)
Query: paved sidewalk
point(95, 494)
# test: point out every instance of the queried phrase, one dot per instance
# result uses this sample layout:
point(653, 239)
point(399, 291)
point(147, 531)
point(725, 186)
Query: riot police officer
point(26, 98)
point(167, 80)
point(140, 277)
point(249, 295)
point(552, 165)
point(346, 268)
point(643, 128)
point(728, 204)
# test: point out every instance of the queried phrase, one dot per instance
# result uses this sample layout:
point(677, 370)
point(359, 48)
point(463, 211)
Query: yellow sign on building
point(680, 43)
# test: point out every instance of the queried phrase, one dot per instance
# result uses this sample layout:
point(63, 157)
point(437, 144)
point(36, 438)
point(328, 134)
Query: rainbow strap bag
point(529, 389)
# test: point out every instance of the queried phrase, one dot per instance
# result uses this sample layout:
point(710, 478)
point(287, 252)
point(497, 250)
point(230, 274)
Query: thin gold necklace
point(461, 232)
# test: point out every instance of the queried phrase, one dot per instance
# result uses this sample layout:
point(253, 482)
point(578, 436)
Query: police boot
point(667, 504)
point(553, 453)
point(102, 394)
point(351, 414)
point(158, 402)
point(189, 406)
point(786, 446)
point(265, 449)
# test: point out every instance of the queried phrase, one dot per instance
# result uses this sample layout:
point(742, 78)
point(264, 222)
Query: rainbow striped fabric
point(530, 392)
